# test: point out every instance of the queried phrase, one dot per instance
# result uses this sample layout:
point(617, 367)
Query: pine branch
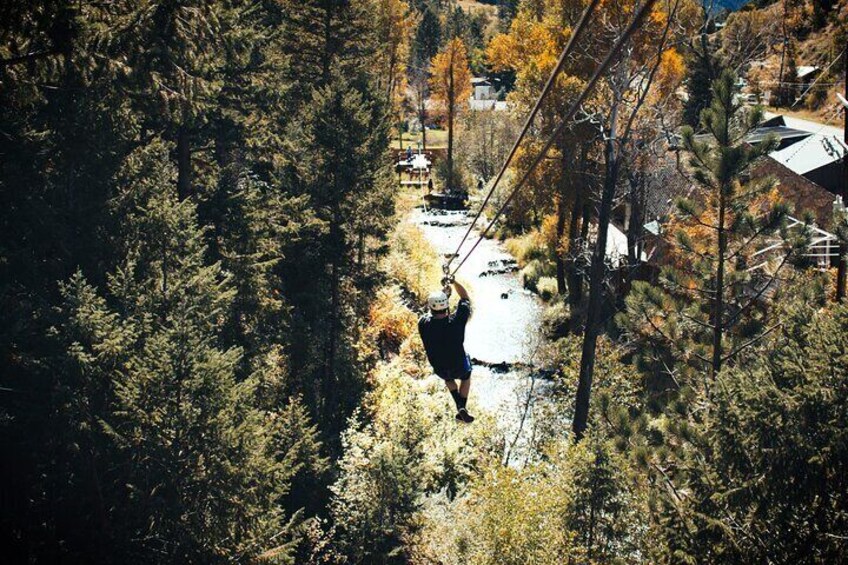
point(34, 56)
point(697, 321)
point(750, 342)
point(747, 242)
point(759, 293)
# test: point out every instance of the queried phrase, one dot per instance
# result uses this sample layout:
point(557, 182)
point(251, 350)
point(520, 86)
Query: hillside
point(814, 35)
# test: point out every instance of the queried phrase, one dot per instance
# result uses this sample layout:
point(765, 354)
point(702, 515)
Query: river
point(503, 329)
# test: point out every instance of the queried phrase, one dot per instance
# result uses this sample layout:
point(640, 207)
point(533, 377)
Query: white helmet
point(437, 301)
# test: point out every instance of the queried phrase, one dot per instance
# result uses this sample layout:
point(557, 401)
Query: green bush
point(555, 319)
point(547, 288)
point(530, 275)
point(526, 248)
point(533, 273)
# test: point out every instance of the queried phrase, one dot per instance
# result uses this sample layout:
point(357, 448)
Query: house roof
point(803, 125)
point(782, 132)
point(786, 135)
point(665, 184)
point(803, 194)
point(816, 151)
point(807, 70)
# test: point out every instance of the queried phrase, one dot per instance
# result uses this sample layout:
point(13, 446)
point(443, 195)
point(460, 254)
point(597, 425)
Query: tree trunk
point(778, 99)
point(183, 163)
point(422, 117)
point(842, 266)
point(576, 279)
point(562, 210)
point(560, 261)
point(451, 103)
point(573, 279)
point(332, 337)
point(596, 276)
point(576, 235)
point(718, 301)
point(635, 228)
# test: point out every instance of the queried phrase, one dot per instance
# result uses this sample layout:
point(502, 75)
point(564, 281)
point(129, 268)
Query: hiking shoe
point(464, 416)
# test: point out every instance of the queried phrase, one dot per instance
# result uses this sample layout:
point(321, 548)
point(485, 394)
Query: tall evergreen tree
point(428, 38)
point(341, 164)
point(701, 72)
point(169, 438)
point(172, 53)
point(177, 324)
point(706, 310)
point(339, 143)
point(756, 472)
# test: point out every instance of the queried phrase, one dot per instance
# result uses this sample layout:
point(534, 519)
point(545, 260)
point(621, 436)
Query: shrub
point(533, 272)
point(547, 288)
point(526, 248)
point(556, 319)
point(575, 503)
point(412, 262)
point(390, 322)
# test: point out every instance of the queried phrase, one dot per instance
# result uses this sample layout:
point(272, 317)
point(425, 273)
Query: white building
point(483, 89)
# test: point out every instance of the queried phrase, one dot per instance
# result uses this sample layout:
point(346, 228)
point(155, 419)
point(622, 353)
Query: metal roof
point(817, 151)
point(782, 132)
point(805, 70)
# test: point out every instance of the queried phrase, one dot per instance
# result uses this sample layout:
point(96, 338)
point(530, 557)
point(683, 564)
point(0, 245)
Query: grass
point(436, 139)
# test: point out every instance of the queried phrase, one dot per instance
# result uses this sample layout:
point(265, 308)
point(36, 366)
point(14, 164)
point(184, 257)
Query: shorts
point(454, 374)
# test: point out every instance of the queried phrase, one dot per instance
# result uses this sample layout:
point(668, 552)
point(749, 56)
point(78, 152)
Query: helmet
point(437, 301)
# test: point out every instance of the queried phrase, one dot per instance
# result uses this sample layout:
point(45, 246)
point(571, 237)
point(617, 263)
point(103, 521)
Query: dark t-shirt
point(443, 338)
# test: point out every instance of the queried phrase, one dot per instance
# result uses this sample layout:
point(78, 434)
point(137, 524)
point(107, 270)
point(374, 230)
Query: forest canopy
point(214, 262)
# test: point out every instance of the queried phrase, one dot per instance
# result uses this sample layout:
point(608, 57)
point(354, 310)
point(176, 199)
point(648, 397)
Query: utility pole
point(841, 217)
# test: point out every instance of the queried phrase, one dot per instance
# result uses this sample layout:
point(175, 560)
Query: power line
point(814, 135)
point(823, 73)
point(613, 54)
point(572, 41)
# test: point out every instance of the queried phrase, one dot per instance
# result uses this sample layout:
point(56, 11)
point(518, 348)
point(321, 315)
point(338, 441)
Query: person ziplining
point(443, 335)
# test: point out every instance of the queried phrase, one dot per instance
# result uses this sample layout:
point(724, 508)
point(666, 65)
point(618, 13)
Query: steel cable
point(566, 52)
point(613, 54)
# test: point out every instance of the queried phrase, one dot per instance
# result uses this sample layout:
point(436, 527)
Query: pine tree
point(706, 309)
point(756, 472)
point(172, 53)
point(427, 40)
point(172, 438)
point(699, 83)
point(507, 9)
point(341, 167)
point(327, 37)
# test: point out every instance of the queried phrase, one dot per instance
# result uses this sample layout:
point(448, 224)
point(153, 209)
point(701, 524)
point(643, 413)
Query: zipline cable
point(566, 52)
point(821, 75)
point(613, 54)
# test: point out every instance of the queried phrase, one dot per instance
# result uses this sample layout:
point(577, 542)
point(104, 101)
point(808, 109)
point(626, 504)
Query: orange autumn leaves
point(537, 35)
point(450, 77)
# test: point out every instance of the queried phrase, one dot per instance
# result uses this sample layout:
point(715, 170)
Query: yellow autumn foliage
point(450, 77)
